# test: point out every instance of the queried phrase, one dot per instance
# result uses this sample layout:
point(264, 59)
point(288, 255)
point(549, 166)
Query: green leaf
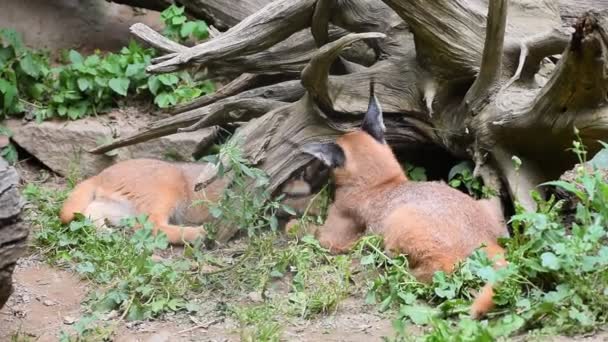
point(119, 85)
point(92, 61)
point(274, 223)
point(419, 314)
point(201, 30)
point(368, 259)
point(13, 38)
point(154, 84)
point(62, 110)
point(28, 66)
point(187, 29)
point(550, 261)
point(164, 100)
point(566, 186)
point(178, 20)
point(460, 169)
point(418, 174)
point(134, 69)
point(77, 111)
point(85, 267)
point(455, 183)
point(193, 307)
point(168, 79)
point(84, 84)
point(136, 312)
point(75, 57)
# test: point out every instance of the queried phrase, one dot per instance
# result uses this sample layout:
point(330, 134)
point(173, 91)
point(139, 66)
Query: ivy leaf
point(418, 174)
point(85, 267)
point(62, 110)
point(274, 224)
point(154, 84)
point(461, 168)
point(92, 61)
point(566, 186)
point(178, 20)
point(10, 94)
point(168, 79)
point(119, 85)
point(83, 83)
point(28, 66)
point(164, 100)
point(201, 30)
point(187, 29)
point(134, 69)
point(75, 57)
point(419, 314)
point(77, 111)
point(550, 261)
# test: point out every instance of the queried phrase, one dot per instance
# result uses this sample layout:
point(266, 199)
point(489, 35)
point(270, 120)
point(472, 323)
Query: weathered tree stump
point(484, 80)
point(13, 233)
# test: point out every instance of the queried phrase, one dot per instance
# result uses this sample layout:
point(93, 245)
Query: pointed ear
point(373, 123)
point(331, 154)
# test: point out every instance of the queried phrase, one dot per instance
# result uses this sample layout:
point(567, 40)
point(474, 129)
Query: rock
point(255, 297)
point(13, 233)
point(62, 145)
point(69, 320)
point(49, 302)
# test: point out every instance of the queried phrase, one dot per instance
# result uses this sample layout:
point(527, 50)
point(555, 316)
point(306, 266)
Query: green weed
point(258, 323)
point(90, 85)
point(555, 283)
point(8, 150)
point(179, 28)
point(461, 177)
point(246, 202)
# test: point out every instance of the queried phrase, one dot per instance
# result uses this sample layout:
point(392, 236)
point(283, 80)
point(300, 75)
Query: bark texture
point(485, 80)
point(12, 233)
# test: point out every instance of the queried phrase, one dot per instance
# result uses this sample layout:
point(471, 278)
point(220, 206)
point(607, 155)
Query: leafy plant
point(93, 84)
point(246, 203)
point(461, 176)
point(7, 150)
point(179, 28)
point(415, 173)
point(20, 72)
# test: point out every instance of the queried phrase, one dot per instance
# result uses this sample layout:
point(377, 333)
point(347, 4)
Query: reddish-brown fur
point(164, 191)
point(435, 225)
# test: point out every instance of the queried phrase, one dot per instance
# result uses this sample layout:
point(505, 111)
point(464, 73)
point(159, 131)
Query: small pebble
point(69, 320)
point(48, 302)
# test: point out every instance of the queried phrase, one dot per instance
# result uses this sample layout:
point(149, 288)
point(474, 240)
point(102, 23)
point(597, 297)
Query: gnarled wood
point(469, 76)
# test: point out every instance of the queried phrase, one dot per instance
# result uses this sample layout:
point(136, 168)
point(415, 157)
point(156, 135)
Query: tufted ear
point(331, 154)
point(373, 123)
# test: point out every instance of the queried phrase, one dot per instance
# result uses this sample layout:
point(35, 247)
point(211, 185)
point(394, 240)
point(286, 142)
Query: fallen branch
point(255, 33)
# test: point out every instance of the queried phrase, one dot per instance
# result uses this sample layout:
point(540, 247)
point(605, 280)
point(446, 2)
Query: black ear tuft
point(373, 123)
point(331, 154)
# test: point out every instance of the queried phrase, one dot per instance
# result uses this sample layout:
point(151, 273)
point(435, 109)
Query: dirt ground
point(48, 300)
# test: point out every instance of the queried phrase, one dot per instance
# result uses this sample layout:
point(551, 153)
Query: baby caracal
point(433, 224)
point(164, 191)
